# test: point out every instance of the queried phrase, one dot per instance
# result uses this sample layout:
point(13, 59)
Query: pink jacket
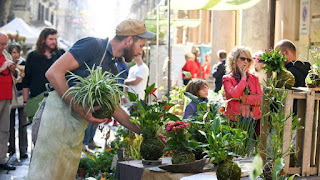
point(246, 105)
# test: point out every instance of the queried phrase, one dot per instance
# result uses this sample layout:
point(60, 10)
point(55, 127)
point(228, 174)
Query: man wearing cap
point(60, 160)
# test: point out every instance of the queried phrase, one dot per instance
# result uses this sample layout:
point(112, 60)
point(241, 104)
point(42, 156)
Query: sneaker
point(93, 145)
point(8, 167)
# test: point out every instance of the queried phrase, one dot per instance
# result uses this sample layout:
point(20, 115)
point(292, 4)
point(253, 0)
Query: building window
point(47, 14)
point(39, 11)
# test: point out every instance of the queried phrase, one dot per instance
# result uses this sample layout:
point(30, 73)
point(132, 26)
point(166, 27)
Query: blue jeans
point(89, 133)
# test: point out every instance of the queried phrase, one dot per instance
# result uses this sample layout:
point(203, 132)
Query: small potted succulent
point(274, 62)
point(179, 142)
point(98, 89)
point(150, 117)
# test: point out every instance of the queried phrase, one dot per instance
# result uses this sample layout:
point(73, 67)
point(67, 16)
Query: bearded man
point(38, 62)
point(59, 158)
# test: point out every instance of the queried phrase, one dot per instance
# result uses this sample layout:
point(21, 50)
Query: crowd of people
point(238, 75)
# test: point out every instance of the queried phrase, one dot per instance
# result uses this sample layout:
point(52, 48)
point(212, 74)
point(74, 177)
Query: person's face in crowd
point(134, 50)
point(51, 41)
point(258, 66)
point(3, 42)
point(203, 91)
point(243, 62)
point(15, 54)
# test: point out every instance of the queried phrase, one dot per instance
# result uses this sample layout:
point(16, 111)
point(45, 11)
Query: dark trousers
point(23, 141)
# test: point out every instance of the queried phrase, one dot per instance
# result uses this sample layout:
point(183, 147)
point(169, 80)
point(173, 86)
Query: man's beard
point(128, 54)
point(50, 47)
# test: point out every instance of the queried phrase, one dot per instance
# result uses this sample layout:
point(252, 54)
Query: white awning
point(212, 4)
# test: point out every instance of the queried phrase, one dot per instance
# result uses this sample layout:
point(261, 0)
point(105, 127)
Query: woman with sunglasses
point(243, 91)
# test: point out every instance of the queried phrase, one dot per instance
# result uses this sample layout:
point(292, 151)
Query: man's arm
point(123, 118)
point(133, 82)
point(56, 76)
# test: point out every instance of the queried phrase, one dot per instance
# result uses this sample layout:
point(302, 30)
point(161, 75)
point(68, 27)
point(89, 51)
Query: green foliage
point(150, 116)
point(257, 166)
point(272, 60)
point(313, 77)
point(98, 89)
point(222, 139)
point(98, 163)
point(128, 142)
point(177, 94)
point(179, 137)
point(276, 119)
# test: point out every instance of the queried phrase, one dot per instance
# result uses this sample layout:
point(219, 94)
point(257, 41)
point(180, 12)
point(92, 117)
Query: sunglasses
point(243, 59)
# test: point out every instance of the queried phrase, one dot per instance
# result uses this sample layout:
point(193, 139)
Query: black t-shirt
point(36, 67)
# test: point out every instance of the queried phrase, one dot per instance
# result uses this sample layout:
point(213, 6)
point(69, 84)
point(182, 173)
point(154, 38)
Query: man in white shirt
point(138, 77)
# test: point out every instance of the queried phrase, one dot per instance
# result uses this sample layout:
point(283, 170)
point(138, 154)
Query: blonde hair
point(231, 64)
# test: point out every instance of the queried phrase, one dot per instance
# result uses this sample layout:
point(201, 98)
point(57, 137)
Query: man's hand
point(89, 117)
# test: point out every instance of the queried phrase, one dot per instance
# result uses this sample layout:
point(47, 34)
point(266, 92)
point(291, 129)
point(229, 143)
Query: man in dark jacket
point(298, 68)
point(219, 69)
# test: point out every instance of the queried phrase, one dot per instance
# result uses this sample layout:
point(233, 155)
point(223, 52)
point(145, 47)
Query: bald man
point(6, 68)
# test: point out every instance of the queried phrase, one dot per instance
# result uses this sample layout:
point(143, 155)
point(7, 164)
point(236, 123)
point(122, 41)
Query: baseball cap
point(133, 27)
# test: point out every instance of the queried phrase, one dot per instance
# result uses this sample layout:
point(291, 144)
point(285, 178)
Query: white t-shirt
point(141, 71)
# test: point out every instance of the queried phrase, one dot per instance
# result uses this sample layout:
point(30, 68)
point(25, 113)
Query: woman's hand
point(243, 72)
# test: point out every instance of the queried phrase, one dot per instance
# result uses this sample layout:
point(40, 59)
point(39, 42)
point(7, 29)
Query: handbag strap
point(105, 52)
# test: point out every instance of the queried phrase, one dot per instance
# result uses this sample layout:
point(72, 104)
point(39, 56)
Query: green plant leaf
point(278, 166)
point(257, 166)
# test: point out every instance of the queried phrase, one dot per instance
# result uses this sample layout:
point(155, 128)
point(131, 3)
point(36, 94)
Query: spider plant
point(98, 89)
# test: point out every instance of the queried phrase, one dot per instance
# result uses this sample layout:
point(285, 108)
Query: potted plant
point(206, 114)
point(150, 117)
point(276, 120)
point(98, 89)
point(86, 167)
point(179, 142)
point(221, 140)
point(274, 62)
point(313, 77)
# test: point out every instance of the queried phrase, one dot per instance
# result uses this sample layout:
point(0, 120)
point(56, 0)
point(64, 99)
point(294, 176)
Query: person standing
point(243, 92)
point(298, 68)
point(60, 159)
point(190, 66)
point(38, 62)
point(138, 77)
point(206, 67)
point(15, 50)
point(6, 82)
point(219, 70)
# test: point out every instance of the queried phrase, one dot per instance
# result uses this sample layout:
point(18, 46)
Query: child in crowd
point(199, 88)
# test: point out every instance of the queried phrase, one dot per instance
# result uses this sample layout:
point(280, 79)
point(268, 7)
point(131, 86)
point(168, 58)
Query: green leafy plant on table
point(206, 114)
point(313, 77)
point(127, 144)
point(180, 143)
point(98, 89)
point(221, 140)
point(274, 62)
point(99, 163)
point(276, 119)
point(150, 117)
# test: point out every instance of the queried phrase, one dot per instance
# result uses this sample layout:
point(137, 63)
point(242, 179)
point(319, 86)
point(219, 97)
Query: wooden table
point(135, 170)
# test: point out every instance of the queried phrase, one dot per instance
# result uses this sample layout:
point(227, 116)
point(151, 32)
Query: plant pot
point(228, 170)
point(102, 113)
point(179, 157)
point(151, 148)
point(286, 78)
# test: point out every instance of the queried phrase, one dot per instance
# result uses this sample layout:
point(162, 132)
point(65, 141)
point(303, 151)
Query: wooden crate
point(307, 139)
